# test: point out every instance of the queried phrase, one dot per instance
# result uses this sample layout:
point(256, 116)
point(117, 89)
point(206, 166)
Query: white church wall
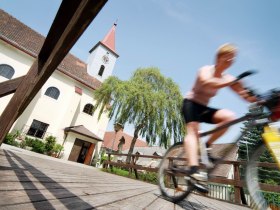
point(21, 63)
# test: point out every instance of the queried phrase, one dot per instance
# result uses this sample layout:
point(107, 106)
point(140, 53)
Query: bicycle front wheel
point(256, 175)
point(173, 185)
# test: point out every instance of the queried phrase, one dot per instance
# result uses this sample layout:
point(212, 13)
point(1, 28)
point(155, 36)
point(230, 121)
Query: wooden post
point(72, 19)
point(133, 162)
point(237, 180)
point(10, 86)
point(168, 177)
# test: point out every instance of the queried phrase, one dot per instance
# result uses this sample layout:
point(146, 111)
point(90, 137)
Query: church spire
point(109, 39)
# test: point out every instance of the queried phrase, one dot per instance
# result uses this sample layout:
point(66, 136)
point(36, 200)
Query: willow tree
point(149, 101)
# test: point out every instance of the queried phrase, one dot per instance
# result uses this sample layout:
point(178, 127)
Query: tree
point(148, 100)
point(253, 138)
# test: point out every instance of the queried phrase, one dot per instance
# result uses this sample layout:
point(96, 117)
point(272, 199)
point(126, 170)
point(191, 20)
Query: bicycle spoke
point(172, 172)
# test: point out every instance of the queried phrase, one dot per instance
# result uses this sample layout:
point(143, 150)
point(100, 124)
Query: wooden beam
point(9, 86)
point(72, 19)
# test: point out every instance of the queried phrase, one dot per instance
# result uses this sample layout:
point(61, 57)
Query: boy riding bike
point(195, 108)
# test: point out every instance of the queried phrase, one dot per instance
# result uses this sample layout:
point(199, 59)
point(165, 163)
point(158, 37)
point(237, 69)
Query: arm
point(243, 92)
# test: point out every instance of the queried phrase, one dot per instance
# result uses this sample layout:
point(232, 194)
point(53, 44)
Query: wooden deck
point(32, 181)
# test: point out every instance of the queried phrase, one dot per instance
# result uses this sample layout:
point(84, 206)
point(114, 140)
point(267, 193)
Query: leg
point(198, 180)
point(191, 143)
point(220, 117)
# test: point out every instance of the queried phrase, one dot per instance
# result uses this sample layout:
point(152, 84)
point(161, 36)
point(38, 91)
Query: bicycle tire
point(174, 187)
point(252, 180)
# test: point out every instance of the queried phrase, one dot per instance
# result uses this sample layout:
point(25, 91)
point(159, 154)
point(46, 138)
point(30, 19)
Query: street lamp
point(246, 142)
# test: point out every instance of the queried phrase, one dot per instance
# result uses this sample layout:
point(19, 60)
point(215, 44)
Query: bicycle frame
point(238, 120)
point(204, 155)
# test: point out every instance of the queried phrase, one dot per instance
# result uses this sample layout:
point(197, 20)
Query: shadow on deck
point(32, 181)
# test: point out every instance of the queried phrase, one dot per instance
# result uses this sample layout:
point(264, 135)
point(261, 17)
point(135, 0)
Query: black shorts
point(195, 112)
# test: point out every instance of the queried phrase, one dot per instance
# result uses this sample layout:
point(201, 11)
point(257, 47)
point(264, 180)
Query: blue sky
point(178, 37)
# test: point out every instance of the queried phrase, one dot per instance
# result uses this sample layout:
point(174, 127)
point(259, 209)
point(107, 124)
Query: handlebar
point(245, 74)
point(270, 99)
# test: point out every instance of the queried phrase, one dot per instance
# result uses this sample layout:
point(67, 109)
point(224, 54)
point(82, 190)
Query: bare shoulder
point(205, 68)
point(205, 71)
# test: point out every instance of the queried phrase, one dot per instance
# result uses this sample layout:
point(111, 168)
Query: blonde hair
point(226, 48)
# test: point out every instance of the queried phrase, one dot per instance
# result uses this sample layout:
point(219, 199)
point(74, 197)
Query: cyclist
point(195, 108)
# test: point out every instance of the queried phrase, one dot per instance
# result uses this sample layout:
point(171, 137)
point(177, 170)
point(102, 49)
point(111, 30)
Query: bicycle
point(173, 175)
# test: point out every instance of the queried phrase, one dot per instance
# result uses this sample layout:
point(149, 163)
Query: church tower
point(103, 56)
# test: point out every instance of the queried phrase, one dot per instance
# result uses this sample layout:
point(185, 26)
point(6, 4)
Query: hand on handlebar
point(248, 95)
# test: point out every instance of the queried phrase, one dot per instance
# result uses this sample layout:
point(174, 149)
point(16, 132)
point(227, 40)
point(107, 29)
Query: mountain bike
point(173, 175)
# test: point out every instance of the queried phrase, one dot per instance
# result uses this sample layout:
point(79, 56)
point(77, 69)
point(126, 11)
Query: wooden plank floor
point(33, 181)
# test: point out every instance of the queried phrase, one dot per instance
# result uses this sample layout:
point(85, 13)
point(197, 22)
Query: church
point(63, 106)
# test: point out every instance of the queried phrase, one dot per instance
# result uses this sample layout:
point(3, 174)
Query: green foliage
point(22, 144)
point(58, 148)
point(104, 156)
point(29, 141)
point(272, 198)
point(150, 177)
point(149, 101)
point(119, 171)
point(254, 139)
point(10, 139)
point(50, 144)
point(38, 146)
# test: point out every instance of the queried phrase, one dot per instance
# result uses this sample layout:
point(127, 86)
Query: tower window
point(101, 70)
point(88, 109)
point(6, 71)
point(52, 92)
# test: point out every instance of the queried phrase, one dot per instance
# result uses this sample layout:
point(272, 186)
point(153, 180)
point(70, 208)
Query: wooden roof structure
point(72, 19)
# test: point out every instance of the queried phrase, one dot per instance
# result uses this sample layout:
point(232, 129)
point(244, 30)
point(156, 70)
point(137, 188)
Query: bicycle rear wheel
point(173, 185)
point(255, 177)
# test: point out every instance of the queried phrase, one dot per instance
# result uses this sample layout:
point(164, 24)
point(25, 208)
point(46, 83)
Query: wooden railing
point(237, 183)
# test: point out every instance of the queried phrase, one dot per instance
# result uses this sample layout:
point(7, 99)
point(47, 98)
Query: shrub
point(150, 177)
point(57, 149)
point(28, 141)
point(50, 144)
point(10, 139)
point(38, 146)
point(22, 144)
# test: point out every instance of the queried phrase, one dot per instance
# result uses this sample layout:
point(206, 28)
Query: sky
point(178, 37)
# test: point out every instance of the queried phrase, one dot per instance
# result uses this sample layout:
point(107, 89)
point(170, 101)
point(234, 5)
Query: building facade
point(63, 106)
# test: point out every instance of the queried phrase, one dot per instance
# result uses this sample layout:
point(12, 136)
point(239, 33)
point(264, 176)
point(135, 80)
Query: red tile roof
point(29, 41)
point(109, 138)
point(109, 39)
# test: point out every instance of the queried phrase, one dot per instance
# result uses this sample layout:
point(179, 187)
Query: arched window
point(101, 70)
point(52, 92)
point(88, 109)
point(6, 71)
